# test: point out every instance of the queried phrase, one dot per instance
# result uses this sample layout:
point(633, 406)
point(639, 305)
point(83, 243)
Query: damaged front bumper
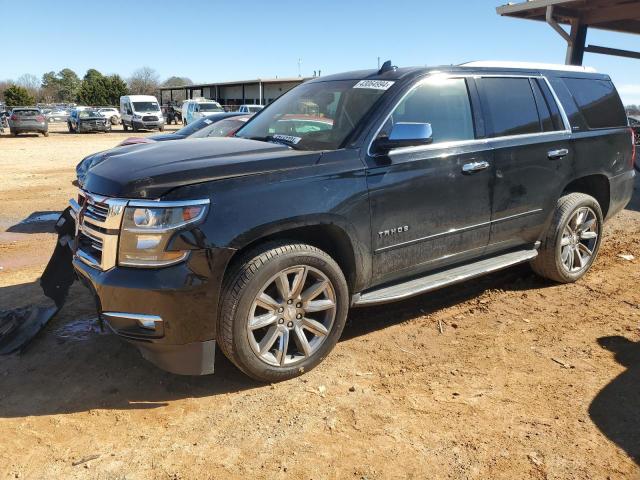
point(168, 313)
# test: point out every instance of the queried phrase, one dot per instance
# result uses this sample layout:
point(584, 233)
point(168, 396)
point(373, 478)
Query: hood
point(161, 137)
point(150, 170)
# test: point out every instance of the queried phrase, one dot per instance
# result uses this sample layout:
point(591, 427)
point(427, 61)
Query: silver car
point(57, 116)
point(28, 119)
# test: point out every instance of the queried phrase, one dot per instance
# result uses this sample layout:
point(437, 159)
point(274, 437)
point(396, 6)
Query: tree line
point(94, 88)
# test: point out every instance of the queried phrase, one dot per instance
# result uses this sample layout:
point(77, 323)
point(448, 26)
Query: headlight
point(147, 229)
point(137, 117)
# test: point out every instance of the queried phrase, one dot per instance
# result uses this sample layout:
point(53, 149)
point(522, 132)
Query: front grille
point(98, 222)
point(149, 118)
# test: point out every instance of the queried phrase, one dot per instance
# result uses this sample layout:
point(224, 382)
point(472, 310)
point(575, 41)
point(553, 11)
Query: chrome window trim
point(475, 141)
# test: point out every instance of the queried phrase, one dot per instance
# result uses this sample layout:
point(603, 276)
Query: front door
point(431, 205)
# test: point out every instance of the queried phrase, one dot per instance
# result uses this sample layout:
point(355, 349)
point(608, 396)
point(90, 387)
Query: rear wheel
point(45, 134)
point(572, 240)
point(283, 309)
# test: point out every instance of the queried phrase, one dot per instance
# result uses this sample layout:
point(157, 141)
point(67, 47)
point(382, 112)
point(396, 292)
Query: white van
point(141, 112)
point(197, 108)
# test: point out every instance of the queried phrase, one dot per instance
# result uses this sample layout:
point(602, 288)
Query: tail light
point(14, 117)
point(40, 118)
point(633, 147)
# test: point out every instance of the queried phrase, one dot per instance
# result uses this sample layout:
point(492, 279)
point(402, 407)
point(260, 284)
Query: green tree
point(68, 84)
point(97, 89)
point(92, 89)
point(116, 88)
point(49, 87)
point(16, 96)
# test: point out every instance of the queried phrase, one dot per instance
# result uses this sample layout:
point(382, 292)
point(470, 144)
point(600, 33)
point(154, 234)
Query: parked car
point(197, 108)
point(27, 120)
point(141, 112)
point(111, 113)
point(215, 125)
point(250, 108)
point(57, 116)
point(87, 120)
point(261, 243)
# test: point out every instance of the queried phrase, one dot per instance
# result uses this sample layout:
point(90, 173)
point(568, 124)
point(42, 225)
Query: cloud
point(630, 93)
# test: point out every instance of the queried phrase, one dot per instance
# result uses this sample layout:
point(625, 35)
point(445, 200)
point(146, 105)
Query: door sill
point(434, 281)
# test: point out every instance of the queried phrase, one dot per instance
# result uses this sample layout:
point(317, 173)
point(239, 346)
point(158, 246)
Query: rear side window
point(599, 102)
point(509, 106)
point(444, 103)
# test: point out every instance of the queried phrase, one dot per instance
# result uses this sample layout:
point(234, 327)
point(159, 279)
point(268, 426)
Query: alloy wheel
point(579, 240)
point(291, 316)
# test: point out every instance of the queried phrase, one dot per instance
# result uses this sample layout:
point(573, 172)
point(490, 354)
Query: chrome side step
point(441, 279)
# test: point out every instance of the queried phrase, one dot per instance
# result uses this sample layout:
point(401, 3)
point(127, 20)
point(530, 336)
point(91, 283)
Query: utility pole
point(299, 68)
point(378, 63)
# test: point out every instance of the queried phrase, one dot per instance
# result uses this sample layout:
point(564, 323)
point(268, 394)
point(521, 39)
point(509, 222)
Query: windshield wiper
point(274, 139)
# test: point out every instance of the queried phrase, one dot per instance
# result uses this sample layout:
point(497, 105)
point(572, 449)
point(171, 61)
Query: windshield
point(210, 107)
point(316, 116)
point(146, 106)
point(88, 113)
point(223, 128)
point(195, 126)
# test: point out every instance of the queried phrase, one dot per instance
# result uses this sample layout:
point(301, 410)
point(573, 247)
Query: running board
point(441, 279)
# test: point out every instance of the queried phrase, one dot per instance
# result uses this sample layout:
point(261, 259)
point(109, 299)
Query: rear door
point(532, 156)
point(428, 209)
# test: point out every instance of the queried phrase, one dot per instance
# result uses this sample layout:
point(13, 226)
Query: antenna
point(387, 67)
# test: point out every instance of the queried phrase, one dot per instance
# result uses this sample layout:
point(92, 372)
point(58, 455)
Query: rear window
point(598, 101)
point(509, 106)
point(27, 113)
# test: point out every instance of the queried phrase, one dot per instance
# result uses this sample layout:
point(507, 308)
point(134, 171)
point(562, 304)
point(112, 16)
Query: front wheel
point(125, 127)
point(572, 240)
point(283, 309)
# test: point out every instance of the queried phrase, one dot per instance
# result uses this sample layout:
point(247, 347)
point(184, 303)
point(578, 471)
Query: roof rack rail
point(529, 66)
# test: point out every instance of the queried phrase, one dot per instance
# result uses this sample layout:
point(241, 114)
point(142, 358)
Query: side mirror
point(405, 135)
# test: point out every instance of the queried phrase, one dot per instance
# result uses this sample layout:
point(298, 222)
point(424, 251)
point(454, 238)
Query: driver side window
point(443, 103)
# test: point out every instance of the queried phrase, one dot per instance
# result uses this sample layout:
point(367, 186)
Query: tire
point(257, 272)
point(45, 134)
point(553, 261)
point(113, 120)
point(161, 128)
point(133, 127)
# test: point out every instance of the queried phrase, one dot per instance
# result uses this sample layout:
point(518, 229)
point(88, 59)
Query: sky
point(221, 40)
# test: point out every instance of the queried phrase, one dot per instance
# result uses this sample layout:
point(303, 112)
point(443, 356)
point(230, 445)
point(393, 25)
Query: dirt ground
point(505, 377)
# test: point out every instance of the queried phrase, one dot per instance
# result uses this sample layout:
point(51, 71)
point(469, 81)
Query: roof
point(616, 15)
point(197, 86)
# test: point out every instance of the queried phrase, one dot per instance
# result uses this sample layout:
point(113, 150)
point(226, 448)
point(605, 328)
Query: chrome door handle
point(558, 154)
point(474, 167)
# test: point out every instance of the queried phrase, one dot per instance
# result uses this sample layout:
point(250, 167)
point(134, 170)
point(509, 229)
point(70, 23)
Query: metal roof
point(615, 15)
point(198, 86)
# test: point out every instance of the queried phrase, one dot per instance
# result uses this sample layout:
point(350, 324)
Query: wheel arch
point(597, 186)
point(330, 237)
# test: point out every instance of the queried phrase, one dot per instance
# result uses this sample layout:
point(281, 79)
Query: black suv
point(354, 189)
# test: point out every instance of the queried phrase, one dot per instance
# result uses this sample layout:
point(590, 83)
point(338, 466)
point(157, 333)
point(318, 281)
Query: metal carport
point(580, 15)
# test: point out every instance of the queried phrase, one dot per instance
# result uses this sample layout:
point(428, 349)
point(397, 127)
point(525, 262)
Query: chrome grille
point(98, 222)
point(149, 118)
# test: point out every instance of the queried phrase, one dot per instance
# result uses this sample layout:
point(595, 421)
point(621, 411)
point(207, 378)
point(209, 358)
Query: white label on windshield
point(287, 138)
point(374, 84)
point(207, 121)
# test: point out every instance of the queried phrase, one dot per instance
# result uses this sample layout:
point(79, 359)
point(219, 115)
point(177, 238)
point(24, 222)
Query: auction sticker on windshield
point(287, 138)
point(374, 84)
